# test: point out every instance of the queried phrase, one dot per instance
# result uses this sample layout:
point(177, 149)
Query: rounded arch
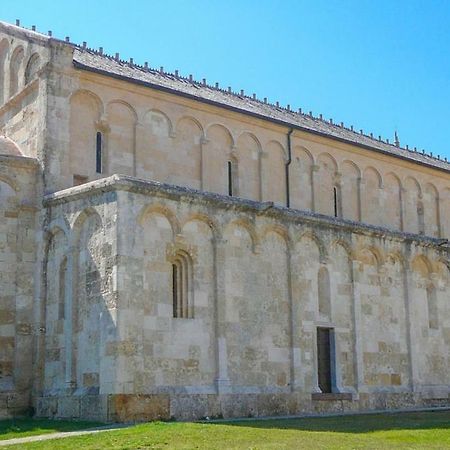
point(161, 210)
point(328, 161)
point(345, 245)
point(371, 171)
point(396, 257)
point(422, 266)
point(246, 225)
point(411, 184)
point(10, 182)
point(80, 219)
point(250, 136)
point(351, 167)
point(209, 221)
point(224, 129)
point(392, 179)
point(192, 120)
point(277, 229)
point(32, 67)
point(370, 255)
point(308, 234)
point(60, 223)
point(276, 145)
point(15, 65)
point(300, 150)
point(126, 105)
point(93, 97)
point(431, 189)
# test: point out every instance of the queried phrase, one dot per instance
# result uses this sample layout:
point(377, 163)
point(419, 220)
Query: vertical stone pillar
point(139, 144)
point(222, 380)
point(358, 332)
point(68, 320)
point(314, 169)
point(358, 199)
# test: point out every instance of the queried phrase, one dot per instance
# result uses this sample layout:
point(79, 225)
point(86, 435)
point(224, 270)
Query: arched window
point(232, 177)
point(323, 288)
point(14, 68)
point(182, 290)
point(432, 307)
point(98, 152)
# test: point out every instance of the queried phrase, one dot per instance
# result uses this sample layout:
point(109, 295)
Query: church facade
point(169, 248)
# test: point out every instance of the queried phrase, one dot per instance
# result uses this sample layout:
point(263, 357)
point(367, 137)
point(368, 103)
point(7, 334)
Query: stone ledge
point(127, 183)
point(331, 397)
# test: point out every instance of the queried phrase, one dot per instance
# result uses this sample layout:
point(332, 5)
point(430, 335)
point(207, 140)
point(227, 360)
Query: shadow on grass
point(361, 423)
point(12, 428)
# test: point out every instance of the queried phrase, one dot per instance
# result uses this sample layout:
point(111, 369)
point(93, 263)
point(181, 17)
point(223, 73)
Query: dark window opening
point(336, 206)
point(98, 153)
point(324, 359)
point(175, 286)
point(182, 295)
point(230, 178)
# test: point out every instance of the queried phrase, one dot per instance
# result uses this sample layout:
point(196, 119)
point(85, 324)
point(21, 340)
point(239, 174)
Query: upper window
point(98, 152)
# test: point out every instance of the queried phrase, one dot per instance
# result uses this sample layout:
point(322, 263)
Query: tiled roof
point(89, 59)
point(93, 61)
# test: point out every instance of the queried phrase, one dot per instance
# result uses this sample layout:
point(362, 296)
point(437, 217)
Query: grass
point(15, 428)
point(430, 430)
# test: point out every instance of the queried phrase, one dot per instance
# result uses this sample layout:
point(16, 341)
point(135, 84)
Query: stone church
point(170, 248)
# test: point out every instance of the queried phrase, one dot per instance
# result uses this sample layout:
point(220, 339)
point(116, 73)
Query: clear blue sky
point(380, 65)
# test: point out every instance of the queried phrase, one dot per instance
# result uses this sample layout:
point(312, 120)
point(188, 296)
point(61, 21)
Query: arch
point(392, 201)
point(13, 184)
point(431, 210)
point(371, 198)
point(94, 97)
point(247, 226)
point(32, 67)
point(273, 173)
point(412, 184)
point(301, 178)
point(277, 229)
point(80, 218)
point(223, 129)
point(160, 123)
point(346, 246)
point(126, 105)
point(370, 172)
point(328, 161)
point(326, 186)
point(422, 266)
point(182, 285)
point(161, 210)
point(308, 234)
point(192, 120)
point(204, 218)
point(4, 48)
point(59, 223)
point(122, 119)
point(370, 255)
point(396, 257)
point(413, 206)
point(350, 195)
point(15, 66)
point(247, 135)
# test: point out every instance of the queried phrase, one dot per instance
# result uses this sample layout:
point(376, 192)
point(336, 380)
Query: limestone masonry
point(172, 249)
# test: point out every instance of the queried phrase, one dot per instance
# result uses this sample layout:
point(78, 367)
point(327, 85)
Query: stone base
point(138, 408)
point(14, 404)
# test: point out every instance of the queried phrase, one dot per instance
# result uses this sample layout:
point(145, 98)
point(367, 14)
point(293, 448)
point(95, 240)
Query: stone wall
point(17, 268)
point(263, 279)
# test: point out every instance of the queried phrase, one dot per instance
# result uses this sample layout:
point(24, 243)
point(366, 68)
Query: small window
point(182, 286)
point(324, 363)
point(98, 152)
point(62, 288)
point(230, 178)
point(336, 202)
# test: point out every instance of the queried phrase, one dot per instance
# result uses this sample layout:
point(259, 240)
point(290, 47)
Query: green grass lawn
point(427, 430)
point(14, 428)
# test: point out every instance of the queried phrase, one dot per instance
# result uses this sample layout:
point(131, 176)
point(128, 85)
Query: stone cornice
point(224, 202)
point(24, 162)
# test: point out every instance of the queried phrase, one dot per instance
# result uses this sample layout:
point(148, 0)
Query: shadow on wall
point(354, 423)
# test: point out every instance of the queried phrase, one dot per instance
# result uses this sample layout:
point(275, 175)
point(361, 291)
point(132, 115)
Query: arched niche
point(301, 179)
point(274, 173)
point(32, 67)
point(371, 201)
point(4, 48)
point(325, 185)
point(15, 70)
point(249, 152)
point(392, 201)
point(350, 195)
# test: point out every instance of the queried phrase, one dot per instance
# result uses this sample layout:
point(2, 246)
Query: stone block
point(135, 407)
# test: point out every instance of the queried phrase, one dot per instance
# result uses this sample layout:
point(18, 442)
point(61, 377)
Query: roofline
point(286, 124)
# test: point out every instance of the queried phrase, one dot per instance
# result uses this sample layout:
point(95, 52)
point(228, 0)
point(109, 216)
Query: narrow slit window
point(336, 205)
point(182, 287)
point(230, 178)
point(98, 153)
point(324, 363)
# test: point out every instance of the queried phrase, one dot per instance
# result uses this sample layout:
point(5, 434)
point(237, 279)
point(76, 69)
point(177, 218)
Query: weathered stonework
point(154, 294)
